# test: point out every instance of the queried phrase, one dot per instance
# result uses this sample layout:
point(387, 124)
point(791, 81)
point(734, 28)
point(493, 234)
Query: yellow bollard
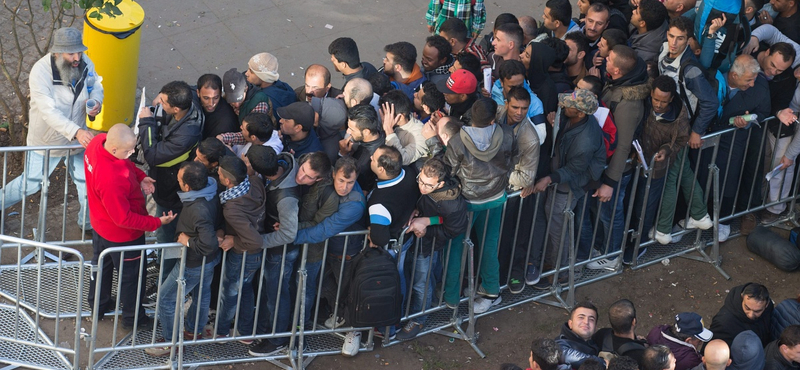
point(114, 48)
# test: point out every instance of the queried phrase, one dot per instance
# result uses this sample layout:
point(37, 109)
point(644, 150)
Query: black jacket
point(199, 220)
point(574, 349)
point(366, 178)
point(580, 155)
point(731, 319)
point(166, 147)
point(754, 100)
point(450, 205)
point(774, 360)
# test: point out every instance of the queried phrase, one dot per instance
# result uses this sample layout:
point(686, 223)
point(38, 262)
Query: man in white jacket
point(61, 83)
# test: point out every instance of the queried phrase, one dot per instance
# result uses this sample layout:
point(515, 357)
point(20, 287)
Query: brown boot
point(749, 222)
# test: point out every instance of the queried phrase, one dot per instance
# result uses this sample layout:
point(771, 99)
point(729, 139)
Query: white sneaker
point(334, 322)
point(484, 304)
point(660, 237)
point(609, 264)
point(704, 223)
point(352, 343)
point(724, 232)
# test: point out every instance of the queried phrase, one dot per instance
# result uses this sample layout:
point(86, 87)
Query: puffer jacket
point(580, 156)
point(731, 319)
point(786, 313)
point(165, 147)
point(668, 132)
point(575, 350)
point(528, 139)
point(58, 110)
point(448, 204)
point(625, 97)
point(481, 161)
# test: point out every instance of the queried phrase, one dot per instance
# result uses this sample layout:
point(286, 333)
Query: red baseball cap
point(460, 82)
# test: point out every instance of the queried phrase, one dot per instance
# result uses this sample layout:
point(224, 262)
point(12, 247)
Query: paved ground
point(182, 39)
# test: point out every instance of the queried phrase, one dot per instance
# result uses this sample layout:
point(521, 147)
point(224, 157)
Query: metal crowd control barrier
point(49, 163)
point(588, 232)
point(36, 288)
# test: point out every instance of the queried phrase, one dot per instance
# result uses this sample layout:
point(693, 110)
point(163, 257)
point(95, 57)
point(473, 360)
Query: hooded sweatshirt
point(283, 205)
point(747, 352)
point(647, 45)
point(199, 219)
point(625, 97)
point(281, 95)
point(542, 57)
point(731, 319)
point(481, 159)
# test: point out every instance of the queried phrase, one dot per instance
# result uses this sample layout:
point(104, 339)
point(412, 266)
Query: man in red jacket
point(116, 190)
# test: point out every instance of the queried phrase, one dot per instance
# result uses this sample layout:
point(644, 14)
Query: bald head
point(120, 141)
point(717, 355)
point(529, 27)
point(318, 81)
point(357, 91)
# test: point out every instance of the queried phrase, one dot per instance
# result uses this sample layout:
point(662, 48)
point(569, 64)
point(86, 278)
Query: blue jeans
point(421, 297)
point(201, 297)
point(312, 280)
point(14, 190)
point(276, 293)
point(234, 265)
point(614, 207)
point(401, 261)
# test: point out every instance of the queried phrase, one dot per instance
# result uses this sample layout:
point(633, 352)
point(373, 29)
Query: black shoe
point(627, 259)
point(143, 323)
point(544, 284)
point(515, 285)
point(264, 348)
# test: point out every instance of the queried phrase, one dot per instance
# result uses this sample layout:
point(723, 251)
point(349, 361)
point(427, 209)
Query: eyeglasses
point(426, 185)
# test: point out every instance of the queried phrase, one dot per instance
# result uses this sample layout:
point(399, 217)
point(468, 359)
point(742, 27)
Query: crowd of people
point(748, 332)
point(248, 167)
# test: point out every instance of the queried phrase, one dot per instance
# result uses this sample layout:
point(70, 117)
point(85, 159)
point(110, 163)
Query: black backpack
point(608, 345)
point(373, 293)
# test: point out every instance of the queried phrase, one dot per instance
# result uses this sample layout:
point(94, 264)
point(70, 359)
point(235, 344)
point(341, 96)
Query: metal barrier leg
point(715, 259)
point(469, 336)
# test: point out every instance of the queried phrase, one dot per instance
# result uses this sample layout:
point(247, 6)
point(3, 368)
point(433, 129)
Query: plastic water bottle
point(747, 117)
point(90, 104)
point(768, 7)
point(90, 80)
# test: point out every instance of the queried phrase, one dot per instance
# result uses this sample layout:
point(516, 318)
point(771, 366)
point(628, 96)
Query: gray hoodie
point(481, 159)
point(283, 199)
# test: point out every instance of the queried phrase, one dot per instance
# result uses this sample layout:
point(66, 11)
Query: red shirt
point(116, 202)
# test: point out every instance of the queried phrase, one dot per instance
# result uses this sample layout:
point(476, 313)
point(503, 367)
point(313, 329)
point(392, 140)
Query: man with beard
point(317, 84)
point(219, 118)
point(61, 84)
point(436, 58)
